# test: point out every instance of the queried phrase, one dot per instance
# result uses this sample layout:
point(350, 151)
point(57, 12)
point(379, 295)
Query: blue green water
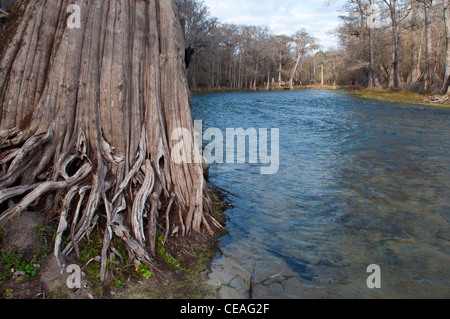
point(359, 183)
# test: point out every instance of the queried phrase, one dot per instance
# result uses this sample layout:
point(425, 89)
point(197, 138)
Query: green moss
point(8, 293)
point(60, 293)
point(396, 96)
point(168, 258)
point(43, 246)
point(90, 248)
point(122, 270)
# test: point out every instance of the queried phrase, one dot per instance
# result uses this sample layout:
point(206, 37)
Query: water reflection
point(359, 183)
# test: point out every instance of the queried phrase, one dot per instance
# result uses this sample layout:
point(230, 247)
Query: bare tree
point(416, 50)
point(428, 77)
point(446, 5)
point(303, 43)
point(410, 49)
point(321, 57)
point(394, 78)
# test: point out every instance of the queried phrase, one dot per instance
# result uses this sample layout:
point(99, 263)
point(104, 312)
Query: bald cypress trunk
point(86, 118)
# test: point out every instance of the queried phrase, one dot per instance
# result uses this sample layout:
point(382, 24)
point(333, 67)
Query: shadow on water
point(297, 265)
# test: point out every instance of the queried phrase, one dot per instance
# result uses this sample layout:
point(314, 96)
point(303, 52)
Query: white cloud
point(284, 17)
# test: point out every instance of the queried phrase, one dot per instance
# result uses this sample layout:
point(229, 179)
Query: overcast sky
point(283, 17)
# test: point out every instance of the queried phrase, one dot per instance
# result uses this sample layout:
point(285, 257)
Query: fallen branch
point(438, 99)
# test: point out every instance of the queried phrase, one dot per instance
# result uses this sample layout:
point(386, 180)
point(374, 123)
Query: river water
point(360, 182)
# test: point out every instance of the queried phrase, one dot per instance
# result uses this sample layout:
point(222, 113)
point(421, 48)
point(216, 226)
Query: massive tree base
point(86, 119)
point(87, 195)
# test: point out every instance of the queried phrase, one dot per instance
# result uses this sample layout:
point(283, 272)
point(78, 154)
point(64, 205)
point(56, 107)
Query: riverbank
point(296, 88)
point(28, 268)
point(184, 264)
point(402, 96)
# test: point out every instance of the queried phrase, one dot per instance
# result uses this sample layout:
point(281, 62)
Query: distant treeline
point(386, 43)
point(382, 43)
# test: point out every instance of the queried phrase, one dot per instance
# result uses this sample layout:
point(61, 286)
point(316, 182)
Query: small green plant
point(90, 248)
point(143, 270)
point(11, 262)
point(60, 293)
point(41, 246)
point(8, 293)
point(120, 268)
point(42, 232)
point(119, 283)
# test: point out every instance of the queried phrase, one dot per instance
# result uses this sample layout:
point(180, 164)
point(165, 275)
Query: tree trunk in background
point(372, 78)
point(446, 85)
point(294, 69)
point(314, 72)
point(322, 82)
point(280, 69)
point(394, 75)
point(415, 53)
point(89, 113)
point(428, 79)
point(419, 57)
point(428, 49)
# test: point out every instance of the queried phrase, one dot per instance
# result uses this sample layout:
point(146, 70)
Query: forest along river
point(360, 182)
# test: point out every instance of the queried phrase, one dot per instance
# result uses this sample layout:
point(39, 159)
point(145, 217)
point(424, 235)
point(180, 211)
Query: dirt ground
point(28, 268)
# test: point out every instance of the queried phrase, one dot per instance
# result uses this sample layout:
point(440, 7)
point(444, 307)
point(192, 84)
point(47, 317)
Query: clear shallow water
point(360, 182)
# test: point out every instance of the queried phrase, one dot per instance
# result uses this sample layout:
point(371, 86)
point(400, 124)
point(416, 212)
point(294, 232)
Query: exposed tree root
point(89, 201)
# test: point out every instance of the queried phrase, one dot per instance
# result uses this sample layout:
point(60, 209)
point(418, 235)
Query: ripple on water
point(360, 182)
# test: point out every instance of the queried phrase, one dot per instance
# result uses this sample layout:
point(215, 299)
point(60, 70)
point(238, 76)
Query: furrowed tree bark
point(86, 116)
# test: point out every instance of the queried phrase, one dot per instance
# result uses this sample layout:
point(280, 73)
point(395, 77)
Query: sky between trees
point(406, 48)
